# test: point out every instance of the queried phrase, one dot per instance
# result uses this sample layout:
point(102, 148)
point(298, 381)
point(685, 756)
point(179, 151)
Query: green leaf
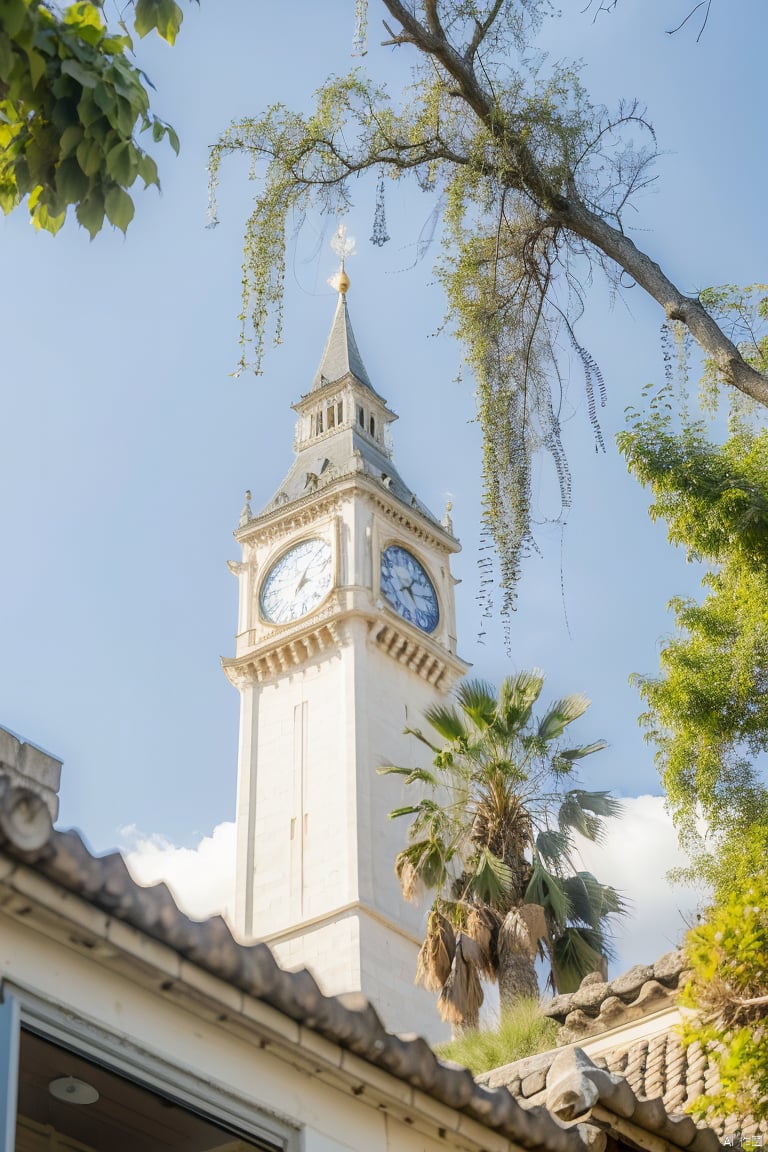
point(119, 208)
point(43, 219)
point(574, 956)
point(71, 182)
point(70, 139)
point(84, 16)
point(13, 13)
point(7, 56)
point(493, 879)
point(583, 750)
point(104, 97)
point(90, 212)
point(164, 15)
point(546, 889)
point(447, 722)
point(122, 163)
point(173, 139)
point(553, 846)
point(84, 76)
point(148, 170)
point(90, 156)
point(561, 714)
point(87, 109)
point(37, 66)
point(477, 698)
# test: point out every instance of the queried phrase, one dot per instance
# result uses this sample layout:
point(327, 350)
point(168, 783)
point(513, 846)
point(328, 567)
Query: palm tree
point(493, 837)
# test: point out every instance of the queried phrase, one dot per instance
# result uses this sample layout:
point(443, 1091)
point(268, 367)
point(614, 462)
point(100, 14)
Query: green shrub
point(522, 1031)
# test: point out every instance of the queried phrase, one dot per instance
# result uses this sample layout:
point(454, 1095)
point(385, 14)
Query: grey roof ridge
point(105, 882)
point(272, 511)
point(578, 1090)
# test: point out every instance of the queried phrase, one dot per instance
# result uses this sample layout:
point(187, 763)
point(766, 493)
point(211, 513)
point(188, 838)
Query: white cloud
point(639, 850)
point(202, 879)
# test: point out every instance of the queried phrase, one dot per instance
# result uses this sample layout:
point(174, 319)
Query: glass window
point(340, 412)
point(319, 423)
point(331, 417)
point(373, 426)
point(74, 1104)
point(360, 416)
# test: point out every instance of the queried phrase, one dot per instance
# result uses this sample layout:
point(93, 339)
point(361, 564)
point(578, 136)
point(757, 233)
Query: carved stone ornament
point(24, 817)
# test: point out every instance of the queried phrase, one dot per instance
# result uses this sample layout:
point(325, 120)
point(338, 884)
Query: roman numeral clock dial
point(297, 582)
point(408, 589)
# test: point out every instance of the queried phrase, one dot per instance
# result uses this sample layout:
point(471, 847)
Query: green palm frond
point(417, 732)
point(547, 889)
point(585, 813)
point(448, 722)
point(412, 775)
point(422, 864)
point(583, 750)
point(477, 699)
point(492, 834)
point(601, 803)
point(517, 696)
point(554, 847)
point(574, 955)
point(406, 810)
point(492, 880)
point(592, 902)
point(560, 714)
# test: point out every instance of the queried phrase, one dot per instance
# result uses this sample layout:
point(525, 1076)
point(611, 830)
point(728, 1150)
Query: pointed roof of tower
point(341, 355)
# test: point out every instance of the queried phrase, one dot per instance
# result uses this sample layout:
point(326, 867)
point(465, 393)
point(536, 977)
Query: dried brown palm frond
point(410, 881)
point(436, 954)
point(462, 993)
point(522, 929)
point(481, 924)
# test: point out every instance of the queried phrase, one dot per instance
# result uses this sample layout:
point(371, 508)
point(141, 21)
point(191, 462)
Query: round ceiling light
point(73, 1091)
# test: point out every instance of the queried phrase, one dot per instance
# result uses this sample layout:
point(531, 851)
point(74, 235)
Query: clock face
point(297, 582)
point(407, 588)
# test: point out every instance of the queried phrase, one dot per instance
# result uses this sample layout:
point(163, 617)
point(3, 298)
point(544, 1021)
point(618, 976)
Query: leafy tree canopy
point(493, 836)
point(71, 105)
point(729, 991)
point(532, 182)
point(708, 711)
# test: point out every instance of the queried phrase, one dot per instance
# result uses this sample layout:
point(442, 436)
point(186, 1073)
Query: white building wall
point(296, 806)
point(328, 1116)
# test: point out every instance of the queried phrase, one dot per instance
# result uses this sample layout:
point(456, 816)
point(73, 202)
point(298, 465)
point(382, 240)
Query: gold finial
point(344, 246)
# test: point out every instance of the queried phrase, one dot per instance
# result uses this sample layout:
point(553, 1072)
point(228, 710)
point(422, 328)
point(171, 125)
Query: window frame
point(204, 1097)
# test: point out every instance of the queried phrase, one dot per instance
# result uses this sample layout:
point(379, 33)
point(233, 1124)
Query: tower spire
point(341, 354)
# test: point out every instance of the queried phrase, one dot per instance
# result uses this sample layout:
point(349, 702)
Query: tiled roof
point(599, 1004)
point(658, 1069)
point(27, 837)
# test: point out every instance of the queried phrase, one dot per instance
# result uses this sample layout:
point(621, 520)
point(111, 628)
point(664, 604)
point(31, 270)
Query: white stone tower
point(346, 634)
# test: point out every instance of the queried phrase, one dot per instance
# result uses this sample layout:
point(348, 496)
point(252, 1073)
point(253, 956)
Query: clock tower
point(346, 635)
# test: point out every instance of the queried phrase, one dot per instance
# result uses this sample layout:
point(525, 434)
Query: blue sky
point(127, 445)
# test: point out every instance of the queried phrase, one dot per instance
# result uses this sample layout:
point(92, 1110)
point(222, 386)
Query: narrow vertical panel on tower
point(298, 820)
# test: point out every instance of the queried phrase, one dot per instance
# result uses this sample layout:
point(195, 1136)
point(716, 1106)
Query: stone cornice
point(416, 651)
point(285, 651)
point(296, 645)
